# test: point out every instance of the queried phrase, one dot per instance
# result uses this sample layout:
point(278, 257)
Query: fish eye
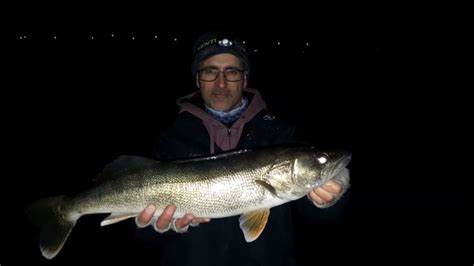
point(322, 158)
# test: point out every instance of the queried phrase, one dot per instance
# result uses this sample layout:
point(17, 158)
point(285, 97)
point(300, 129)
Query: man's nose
point(221, 80)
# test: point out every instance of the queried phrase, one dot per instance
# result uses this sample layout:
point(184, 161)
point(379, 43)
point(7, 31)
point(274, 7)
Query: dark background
point(76, 103)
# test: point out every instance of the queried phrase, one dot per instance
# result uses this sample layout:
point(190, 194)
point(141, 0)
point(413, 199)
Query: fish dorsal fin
point(116, 217)
point(123, 164)
point(213, 157)
point(253, 223)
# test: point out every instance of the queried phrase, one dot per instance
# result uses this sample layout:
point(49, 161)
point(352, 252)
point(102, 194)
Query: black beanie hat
point(213, 43)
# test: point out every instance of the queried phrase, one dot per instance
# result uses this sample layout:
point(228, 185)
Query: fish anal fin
point(116, 217)
point(253, 223)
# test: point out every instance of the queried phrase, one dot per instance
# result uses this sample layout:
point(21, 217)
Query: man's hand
point(326, 194)
point(165, 221)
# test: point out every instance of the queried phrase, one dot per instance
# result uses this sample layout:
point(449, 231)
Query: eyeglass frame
point(243, 72)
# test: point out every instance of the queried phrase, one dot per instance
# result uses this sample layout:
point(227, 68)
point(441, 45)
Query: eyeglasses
point(230, 74)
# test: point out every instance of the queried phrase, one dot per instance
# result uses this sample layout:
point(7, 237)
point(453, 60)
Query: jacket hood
point(226, 138)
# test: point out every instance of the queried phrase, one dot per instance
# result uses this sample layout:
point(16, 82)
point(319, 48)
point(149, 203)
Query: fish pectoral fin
point(253, 223)
point(266, 185)
point(116, 217)
point(278, 173)
point(276, 179)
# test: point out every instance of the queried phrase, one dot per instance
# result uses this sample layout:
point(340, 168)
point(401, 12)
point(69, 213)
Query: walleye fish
point(245, 182)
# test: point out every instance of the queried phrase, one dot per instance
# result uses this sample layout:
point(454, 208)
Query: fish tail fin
point(54, 221)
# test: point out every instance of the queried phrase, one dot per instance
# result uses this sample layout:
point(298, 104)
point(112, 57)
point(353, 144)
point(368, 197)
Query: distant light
point(243, 42)
point(156, 36)
point(21, 38)
point(133, 37)
point(278, 43)
point(307, 44)
point(92, 37)
point(256, 50)
point(112, 35)
point(54, 37)
point(175, 39)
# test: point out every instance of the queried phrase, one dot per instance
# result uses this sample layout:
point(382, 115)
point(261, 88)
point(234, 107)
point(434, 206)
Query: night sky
point(85, 90)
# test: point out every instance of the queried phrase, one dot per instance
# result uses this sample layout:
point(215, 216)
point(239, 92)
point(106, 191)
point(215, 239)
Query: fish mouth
point(344, 161)
point(339, 165)
point(333, 170)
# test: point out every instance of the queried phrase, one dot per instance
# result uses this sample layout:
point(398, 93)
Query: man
point(224, 115)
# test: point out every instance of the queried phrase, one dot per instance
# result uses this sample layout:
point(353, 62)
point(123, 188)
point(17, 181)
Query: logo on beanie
point(223, 43)
point(205, 44)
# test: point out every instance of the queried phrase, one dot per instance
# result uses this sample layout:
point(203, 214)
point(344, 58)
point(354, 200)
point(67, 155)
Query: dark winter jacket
point(196, 133)
point(221, 242)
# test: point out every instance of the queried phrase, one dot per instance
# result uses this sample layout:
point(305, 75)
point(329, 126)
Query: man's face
point(221, 94)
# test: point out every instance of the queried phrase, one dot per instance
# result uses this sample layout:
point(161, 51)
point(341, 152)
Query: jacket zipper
point(229, 132)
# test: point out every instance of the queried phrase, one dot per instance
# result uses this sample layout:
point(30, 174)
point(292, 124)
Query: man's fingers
point(324, 195)
point(165, 221)
point(316, 198)
point(185, 221)
point(196, 221)
point(165, 218)
point(145, 216)
point(333, 187)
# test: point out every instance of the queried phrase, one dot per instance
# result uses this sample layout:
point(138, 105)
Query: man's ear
point(197, 82)
point(245, 79)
